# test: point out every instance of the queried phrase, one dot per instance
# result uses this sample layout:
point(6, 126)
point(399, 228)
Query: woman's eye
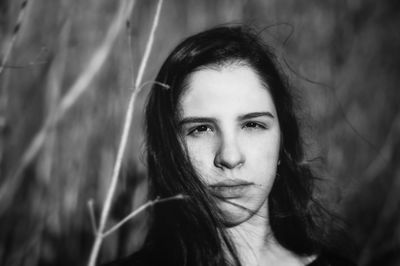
point(254, 125)
point(199, 130)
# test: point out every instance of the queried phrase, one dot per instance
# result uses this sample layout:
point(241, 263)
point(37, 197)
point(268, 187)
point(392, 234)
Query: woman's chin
point(234, 213)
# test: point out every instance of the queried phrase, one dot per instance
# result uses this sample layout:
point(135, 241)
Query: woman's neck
point(249, 239)
point(256, 245)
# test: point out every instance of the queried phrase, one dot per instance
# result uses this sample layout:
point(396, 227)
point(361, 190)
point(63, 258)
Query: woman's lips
point(230, 188)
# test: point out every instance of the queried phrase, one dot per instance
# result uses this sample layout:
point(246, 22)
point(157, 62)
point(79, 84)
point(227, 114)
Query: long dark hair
point(191, 231)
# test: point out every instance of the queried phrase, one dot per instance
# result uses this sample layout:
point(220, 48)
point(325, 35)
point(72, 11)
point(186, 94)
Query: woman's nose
point(229, 154)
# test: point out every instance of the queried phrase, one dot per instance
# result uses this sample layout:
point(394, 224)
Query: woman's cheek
point(201, 157)
point(262, 153)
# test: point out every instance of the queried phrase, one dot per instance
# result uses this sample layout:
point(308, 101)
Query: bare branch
point(17, 28)
point(124, 138)
point(139, 210)
point(130, 47)
point(39, 59)
point(8, 188)
point(92, 215)
point(148, 46)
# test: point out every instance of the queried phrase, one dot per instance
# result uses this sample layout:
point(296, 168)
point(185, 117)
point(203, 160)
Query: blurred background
point(340, 55)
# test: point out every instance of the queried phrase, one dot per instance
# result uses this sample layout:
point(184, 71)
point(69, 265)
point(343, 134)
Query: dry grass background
point(341, 55)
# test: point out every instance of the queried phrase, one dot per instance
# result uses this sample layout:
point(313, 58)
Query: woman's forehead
point(235, 88)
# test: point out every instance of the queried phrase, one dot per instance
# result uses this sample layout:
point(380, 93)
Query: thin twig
point(163, 85)
point(148, 46)
point(92, 215)
point(124, 138)
point(38, 60)
point(80, 86)
point(130, 47)
point(14, 36)
point(139, 210)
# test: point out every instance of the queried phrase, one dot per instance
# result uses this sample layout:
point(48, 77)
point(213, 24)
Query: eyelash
point(198, 130)
point(254, 125)
point(203, 129)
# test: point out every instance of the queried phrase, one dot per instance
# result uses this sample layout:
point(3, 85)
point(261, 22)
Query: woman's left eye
point(254, 125)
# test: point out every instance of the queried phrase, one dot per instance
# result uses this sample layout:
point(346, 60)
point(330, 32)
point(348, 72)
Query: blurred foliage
point(342, 57)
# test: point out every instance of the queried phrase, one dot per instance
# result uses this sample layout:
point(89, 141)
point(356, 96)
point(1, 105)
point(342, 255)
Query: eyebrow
point(195, 119)
point(255, 114)
point(188, 120)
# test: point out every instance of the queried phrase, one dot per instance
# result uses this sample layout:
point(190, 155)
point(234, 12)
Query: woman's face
point(231, 130)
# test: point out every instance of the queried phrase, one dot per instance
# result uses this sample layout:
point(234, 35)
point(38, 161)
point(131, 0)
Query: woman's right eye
point(200, 130)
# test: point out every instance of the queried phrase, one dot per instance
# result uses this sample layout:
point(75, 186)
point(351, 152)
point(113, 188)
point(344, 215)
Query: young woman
point(222, 130)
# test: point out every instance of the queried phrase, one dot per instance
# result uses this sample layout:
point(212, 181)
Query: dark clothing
point(331, 260)
point(144, 258)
